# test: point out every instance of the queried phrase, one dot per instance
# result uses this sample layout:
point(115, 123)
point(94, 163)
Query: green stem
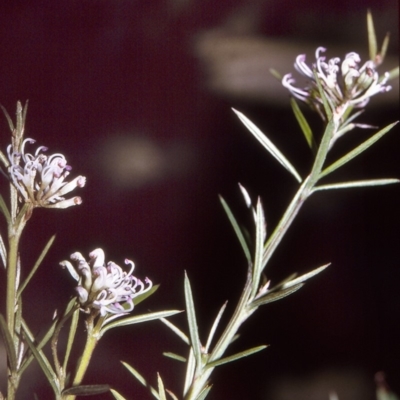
point(93, 336)
point(11, 282)
point(244, 309)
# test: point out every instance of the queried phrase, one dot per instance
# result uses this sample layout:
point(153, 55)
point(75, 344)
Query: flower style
point(104, 289)
point(344, 83)
point(40, 179)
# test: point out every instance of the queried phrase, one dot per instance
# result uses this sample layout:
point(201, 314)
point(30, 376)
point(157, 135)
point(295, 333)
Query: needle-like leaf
point(237, 229)
point(357, 151)
point(272, 149)
point(356, 184)
point(192, 321)
point(236, 356)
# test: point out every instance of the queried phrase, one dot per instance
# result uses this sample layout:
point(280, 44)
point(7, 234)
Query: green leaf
point(204, 393)
point(86, 390)
point(328, 106)
point(9, 344)
point(372, 42)
point(140, 378)
point(192, 322)
point(275, 74)
point(47, 336)
point(272, 149)
point(214, 326)
point(173, 397)
point(174, 356)
point(261, 235)
point(175, 329)
point(355, 152)
point(116, 395)
point(36, 265)
point(72, 331)
point(275, 295)
point(305, 127)
point(237, 229)
point(9, 120)
point(305, 277)
point(45, 365)
point(161, 390)
point(4, 210)
point(393, 73)
point(145, 295)
point(3, 253)
point(190, 369)
point(356, 184)
point(236, 356)
point(385, 45)
point(138, 319)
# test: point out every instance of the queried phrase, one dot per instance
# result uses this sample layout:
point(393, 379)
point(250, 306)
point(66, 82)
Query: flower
point(40, 179)
point(102, 289)
point(345, 83)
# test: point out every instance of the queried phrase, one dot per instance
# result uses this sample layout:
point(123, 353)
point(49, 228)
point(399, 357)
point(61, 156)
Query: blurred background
point(137, 95)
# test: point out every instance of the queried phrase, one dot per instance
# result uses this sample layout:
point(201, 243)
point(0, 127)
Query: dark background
point(129, 92)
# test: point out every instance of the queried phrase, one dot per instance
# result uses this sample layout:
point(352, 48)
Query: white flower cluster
point(345, 83)
point(40, 179)
point(105, 289)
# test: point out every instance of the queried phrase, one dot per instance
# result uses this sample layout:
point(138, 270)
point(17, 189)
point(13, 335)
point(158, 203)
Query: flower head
point(105, 289)
point(40, 179)
point(343, 82)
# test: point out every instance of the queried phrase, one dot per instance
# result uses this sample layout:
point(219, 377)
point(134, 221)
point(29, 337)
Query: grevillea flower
point(343, 82)
point(105, 289)
point(40, 179)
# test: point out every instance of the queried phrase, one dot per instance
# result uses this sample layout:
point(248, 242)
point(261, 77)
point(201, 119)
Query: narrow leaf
point(325, 100)
point(45, 365)
point(47, 336)
point(190, 368)
point(9, 120)
point(384, 48)
point(305, 277)
point(372, 42)
point(215, 326)
point(236, 356)
point(3, 253)
point(4, 210)
point(356, 184)
point(275, 74)
point(237, 229)
point(9, 344)
point(192, 322)
point(140, 378)
point(204, 393)
point(36, 265)
point(86, 390)
point(173, 397)
point(393, 73)
point(259, 250)
point(273, 150)
point(358, 150)
point(174, 356)
point(116, 395)
point(305, 127)
point(145, 295)
point(161, 390)
point(71, 334)
point(175, 329)
point(138, 319)
point(275, 295)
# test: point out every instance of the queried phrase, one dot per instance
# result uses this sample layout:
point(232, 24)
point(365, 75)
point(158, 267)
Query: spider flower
point(40, 179)
point(105, 289)
point(343, 82)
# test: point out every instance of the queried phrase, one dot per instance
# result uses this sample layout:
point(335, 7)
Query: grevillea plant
point(106, 294)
